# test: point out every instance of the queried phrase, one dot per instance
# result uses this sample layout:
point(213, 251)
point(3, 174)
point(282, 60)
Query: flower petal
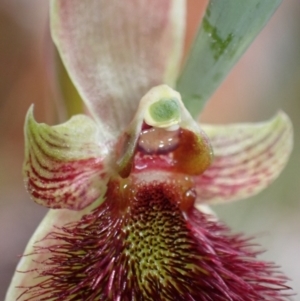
point(64, 165)
point(247, 158)
point(115, 57)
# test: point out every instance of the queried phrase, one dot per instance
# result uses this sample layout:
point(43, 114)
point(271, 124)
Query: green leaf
point(71, 98)
point(228, 28)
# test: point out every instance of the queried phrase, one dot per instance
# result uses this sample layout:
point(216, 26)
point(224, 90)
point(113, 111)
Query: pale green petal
point(248, 157)
point(115, 51)
point(64, 165)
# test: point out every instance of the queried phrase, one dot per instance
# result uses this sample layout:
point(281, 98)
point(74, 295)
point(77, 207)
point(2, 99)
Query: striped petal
point(248, 157)
point(115, 51)
point(64, 165)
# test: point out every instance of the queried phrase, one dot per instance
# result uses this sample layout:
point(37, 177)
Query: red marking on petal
point(247, 159)
point(63, 169)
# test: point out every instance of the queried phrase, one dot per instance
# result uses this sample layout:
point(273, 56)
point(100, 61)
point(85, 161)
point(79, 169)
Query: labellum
point(146, 240)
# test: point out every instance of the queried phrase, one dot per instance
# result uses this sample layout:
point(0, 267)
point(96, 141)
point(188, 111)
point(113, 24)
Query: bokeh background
point(266, 79)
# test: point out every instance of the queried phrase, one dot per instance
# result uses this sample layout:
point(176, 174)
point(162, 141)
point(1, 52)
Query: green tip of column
point(165, 110)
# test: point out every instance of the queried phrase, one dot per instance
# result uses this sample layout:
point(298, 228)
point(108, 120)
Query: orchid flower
point(128, 187)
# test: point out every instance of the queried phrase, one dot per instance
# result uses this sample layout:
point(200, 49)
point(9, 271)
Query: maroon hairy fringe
point(150, 250)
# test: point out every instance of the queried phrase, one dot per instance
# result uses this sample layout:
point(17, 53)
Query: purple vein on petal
point(248, 157)
point(64, 165)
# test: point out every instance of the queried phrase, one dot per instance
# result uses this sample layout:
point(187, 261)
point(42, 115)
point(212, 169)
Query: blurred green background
point(266, 79)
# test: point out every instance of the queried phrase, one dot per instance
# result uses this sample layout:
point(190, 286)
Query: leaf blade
point(228, 28)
